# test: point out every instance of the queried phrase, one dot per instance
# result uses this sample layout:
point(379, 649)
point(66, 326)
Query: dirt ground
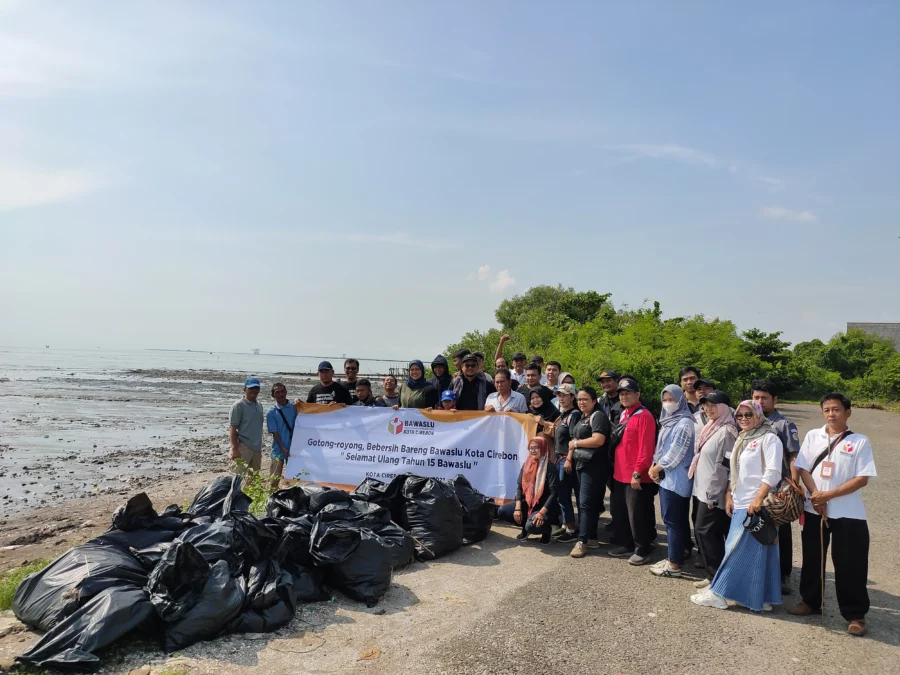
point(504, 607)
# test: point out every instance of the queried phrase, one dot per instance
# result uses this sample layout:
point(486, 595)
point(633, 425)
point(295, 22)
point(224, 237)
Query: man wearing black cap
point(633, 510)
point(328, 391)
point(472, 388)
point(609, 402)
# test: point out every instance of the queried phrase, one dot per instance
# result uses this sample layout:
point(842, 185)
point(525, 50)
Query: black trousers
point(711, 529)
point(785, 550)
point(634, 516)
point(850, 555)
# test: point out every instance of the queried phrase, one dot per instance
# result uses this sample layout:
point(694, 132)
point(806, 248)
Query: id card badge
point(827, 470)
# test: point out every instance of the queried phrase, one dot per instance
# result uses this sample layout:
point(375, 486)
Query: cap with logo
point(567, 389)
point(628, 385)
point(518, 356)
point(609, 374)
point(448, 395)
point(251, 382)
point(717, 396)
point(325, 365)
point(470, 357)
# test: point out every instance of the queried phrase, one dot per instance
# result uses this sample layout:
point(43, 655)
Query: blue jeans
point(675, 513)
point(591, 483)
point(568, 485)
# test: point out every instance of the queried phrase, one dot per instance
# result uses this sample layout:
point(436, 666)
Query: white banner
point(342, 446)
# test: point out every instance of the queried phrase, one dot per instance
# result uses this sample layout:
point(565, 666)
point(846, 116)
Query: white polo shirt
point(852, 457)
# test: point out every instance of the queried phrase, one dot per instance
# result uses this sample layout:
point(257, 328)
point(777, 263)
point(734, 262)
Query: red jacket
point(634, 453)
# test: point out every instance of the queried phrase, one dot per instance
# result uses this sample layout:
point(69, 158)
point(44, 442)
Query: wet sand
point(73, 437)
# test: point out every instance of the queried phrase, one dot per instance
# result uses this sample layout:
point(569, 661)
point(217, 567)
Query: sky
point(375, 178)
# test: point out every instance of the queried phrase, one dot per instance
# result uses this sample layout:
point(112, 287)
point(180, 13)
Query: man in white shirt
point(835, 464)
point(505, 399)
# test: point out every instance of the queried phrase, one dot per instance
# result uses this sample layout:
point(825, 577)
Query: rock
point(87, 523)
point(7, 663)
point(10, 624)
point(140, 671)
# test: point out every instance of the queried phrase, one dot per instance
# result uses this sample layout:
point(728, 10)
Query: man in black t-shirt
point(351, 370)
point(609, 402)
point(328, 391)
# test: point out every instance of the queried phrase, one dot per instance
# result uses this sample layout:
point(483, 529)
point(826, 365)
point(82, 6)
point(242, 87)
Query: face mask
point(670, 407)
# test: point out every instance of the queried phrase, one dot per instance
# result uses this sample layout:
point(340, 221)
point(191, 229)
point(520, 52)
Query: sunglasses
point(744, 416)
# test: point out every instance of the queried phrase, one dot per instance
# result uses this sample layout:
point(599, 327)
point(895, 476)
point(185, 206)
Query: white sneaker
point(665, 570)
point(660, 564)
point(703, 583)
point(709, 599)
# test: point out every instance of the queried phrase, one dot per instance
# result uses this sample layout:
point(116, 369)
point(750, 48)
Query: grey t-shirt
point(248, 418)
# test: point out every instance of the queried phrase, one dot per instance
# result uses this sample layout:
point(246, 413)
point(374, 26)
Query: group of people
point(711, 464)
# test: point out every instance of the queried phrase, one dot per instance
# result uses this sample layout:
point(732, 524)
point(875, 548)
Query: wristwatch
point(635, 476)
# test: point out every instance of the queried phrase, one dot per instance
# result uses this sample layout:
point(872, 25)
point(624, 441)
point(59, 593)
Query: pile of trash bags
point(215, 568)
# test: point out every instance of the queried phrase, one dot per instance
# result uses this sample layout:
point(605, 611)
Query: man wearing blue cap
point(245, 431)
point(328, 391)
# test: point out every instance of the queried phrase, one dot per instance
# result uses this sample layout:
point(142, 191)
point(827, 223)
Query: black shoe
point(522, 536)
point(566, 537)
point(621, 552)
point(545, 539)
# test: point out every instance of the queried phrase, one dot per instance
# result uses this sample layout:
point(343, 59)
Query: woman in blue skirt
point(749, 575)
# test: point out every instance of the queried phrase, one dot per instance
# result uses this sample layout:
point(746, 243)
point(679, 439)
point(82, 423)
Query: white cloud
point(773, 184)
point(21, 188)
point(781, 213)
point(497, 282)
point(501, 281)
point(634, 151)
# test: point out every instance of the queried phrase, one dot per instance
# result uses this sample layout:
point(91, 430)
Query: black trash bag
point(356, 512)
point(255, 539)
point(221, 497)
point(308, 583)
point(433, 516)
point(137, 514)
point(321, 496)
point(177, 581)
point(106, 617)
point(384, 494)
point(46, 598)
point(358, 562)
point(478, 510)
point(271, 601)
point(403, 548)
point(294, 545)
point(288, 503)
point(215, 541)
point(220, 602)
point(149, 557)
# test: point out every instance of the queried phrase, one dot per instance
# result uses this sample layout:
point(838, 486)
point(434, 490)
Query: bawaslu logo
point(395, 426)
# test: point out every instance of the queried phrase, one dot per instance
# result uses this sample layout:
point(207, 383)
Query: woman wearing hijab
point(568, 476)
point(441, 369)
point(709, 469)
point(750, 574)
point(540, 404)
point(535, 507)
point(417, 392)
point(671, 463)
point(591, 460)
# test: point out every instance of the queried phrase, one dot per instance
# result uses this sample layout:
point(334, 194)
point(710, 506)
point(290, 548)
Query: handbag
point(762, 528)
point(784, 503)
point(585, 454)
